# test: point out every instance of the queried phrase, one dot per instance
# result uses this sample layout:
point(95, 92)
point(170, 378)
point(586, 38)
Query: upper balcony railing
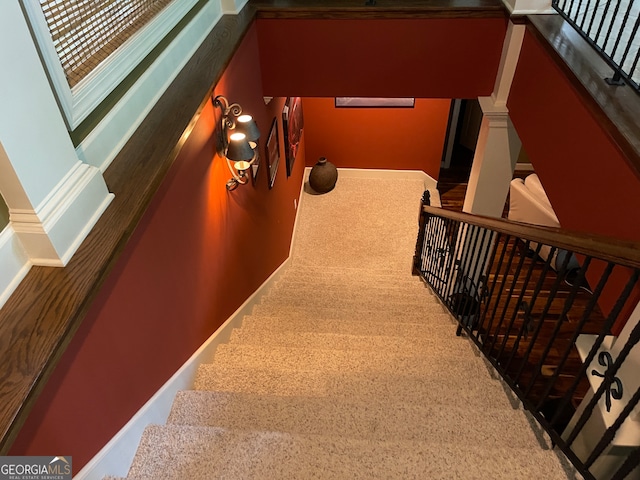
point(611, 27)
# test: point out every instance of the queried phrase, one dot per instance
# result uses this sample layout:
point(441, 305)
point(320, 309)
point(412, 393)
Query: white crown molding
point(52, 232)
point(78, 102)
point(14, 263)
point(104, 142)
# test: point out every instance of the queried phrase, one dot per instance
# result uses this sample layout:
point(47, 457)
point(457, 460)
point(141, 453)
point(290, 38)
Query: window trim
point(78, 102)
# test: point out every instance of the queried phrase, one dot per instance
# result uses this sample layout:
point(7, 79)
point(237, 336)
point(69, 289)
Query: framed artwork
point(371, 102)
point(256, 164)
point(292, 124)
point(273, 152)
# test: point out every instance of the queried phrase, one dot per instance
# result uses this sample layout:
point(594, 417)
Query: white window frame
point(78, 102)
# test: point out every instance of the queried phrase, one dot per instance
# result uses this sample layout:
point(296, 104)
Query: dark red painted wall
point(585, 174)
point(587, 177)
point(197, 255)
point(429, 58)
point(385, 138)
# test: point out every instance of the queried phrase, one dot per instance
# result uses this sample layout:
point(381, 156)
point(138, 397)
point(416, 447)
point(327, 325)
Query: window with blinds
point(85, 32)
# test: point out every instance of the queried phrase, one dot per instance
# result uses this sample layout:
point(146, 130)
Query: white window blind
point(85, 32)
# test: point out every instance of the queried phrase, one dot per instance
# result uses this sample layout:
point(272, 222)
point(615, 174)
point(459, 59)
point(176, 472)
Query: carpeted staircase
point(348, 369)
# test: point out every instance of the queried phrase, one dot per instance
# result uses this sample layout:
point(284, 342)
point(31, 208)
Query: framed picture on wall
point(256, 164)
point(292, 124)
point(371, 102)
point(273, 152)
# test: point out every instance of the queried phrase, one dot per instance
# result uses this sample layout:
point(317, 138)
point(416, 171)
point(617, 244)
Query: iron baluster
point(502, 286)
point(565, 309)
point(629, 465)
point(545, 311)
point(585, 317)
point(507, 239)
point(634, 337)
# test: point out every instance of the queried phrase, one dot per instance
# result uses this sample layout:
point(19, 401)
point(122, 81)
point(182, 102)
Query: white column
point(494, 161)
point(498, 144)
point(53, 198)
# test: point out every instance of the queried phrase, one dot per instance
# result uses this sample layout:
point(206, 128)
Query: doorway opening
point(465, 117)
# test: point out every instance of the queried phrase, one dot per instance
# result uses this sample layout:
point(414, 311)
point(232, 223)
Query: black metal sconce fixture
point(237, 144)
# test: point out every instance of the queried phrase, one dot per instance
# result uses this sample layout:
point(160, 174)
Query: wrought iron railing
point(611, 27)
point(541, 305)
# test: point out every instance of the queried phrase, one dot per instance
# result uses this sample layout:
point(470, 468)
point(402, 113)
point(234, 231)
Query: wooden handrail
point(626, 253)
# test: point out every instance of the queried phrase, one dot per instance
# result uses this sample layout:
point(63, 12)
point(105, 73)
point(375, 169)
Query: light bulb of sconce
point(239, 148)
point(242, 167)
point(247, 125)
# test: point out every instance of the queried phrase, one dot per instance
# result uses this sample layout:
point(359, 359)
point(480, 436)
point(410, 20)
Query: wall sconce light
point(237, 143)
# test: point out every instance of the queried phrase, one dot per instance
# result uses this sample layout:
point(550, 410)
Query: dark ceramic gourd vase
point(323, 176)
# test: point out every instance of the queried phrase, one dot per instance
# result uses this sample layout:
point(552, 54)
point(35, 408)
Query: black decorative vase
point(324, 176)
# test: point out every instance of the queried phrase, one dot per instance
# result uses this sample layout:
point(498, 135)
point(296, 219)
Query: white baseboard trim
point(305, 176)
point(116, 456)
point(104, 142)
point(14, 263)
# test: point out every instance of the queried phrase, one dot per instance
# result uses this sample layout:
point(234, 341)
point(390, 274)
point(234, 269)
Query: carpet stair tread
point(393, 285)
point(389, 304)
point(327, 276)
point(179, 452)
point(300, 358)
point(355, 312)
point(442, 325)
point(374, 418)
point(455, 386)
point(362, 294)
point(442, 345)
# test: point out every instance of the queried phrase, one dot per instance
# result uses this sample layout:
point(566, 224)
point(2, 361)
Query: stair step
point(399, 313)
point(386, 303)
point(458, 386)
point(337, 275)
point(448, 345)
point(298, 358)
point(358, 291)
point(433, 325)
point(397, 270)
point(394, 282)
point(179, 452)
point(365, 418)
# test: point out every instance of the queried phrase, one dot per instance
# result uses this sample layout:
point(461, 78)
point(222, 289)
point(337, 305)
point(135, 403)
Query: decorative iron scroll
point(605, 359)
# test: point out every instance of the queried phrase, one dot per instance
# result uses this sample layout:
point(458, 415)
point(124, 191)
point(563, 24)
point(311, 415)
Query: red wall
point(429, 58)
point(197, 254)
point(385, 138)
point(585, 174)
